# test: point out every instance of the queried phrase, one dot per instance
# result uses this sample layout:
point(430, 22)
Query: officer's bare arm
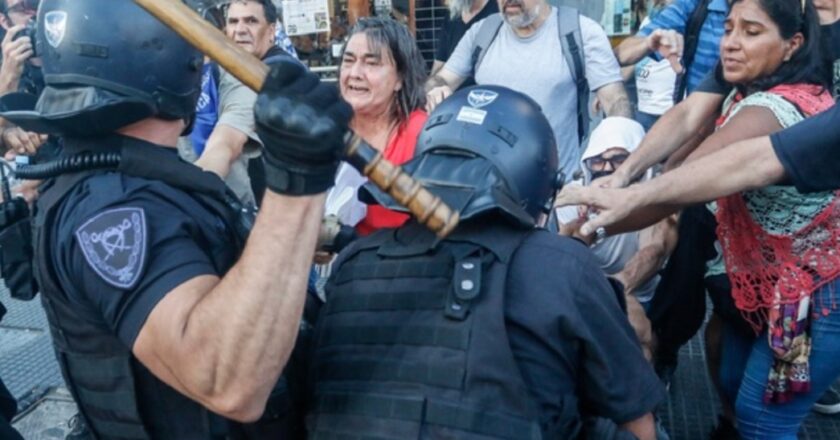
point(674, 129)
point(614, 100)
point(224, 342)
point(224, 146)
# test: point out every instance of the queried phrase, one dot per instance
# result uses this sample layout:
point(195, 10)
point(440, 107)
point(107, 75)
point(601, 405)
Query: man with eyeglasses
point(633, 259)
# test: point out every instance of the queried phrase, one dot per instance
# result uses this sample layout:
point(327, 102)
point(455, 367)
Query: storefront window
point(318, 28)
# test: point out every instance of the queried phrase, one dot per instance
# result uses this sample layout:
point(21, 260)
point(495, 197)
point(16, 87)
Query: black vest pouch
point(16, 249)
point(411, 343)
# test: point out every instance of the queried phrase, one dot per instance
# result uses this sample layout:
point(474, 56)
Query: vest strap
point(418, 409)
point(445, 375)
point(385, 301)
point(456, 338)
point(394, 270)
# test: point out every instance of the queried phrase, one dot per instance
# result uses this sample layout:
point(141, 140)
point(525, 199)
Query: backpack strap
point(692, 41)
point(571, 39)
point(486, 34)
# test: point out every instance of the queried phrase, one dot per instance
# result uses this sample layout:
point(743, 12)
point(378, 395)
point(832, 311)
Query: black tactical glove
point(302, 122)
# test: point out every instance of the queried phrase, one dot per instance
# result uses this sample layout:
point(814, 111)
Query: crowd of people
point(178, 218)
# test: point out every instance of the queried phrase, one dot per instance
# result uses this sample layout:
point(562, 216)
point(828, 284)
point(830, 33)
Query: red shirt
point(400, 149)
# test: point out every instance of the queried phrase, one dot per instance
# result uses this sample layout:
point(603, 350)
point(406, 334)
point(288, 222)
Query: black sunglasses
point(598, 162)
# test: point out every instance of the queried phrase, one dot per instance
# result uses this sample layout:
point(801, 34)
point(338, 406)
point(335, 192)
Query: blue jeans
point(746, 362)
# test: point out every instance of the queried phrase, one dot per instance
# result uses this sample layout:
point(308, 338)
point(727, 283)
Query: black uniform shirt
point(120, 244)
point(584, 345)
point(174, 239)
point(810, 152)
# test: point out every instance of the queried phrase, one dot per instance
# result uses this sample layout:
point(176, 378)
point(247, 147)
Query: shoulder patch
point(114, 245)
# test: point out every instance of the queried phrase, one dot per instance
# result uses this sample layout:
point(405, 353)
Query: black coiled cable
point(71, 164)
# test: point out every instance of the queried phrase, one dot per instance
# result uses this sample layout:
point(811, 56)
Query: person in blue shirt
point(665, 34)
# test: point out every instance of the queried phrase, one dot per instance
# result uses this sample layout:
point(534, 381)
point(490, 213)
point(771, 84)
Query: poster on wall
point(302, 17)
point(617, 17)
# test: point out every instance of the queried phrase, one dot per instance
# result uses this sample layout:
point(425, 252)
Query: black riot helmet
point(486, 149)
point(106, 64)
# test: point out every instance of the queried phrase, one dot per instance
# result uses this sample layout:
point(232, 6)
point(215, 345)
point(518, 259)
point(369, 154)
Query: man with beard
point(462, 15)
point(527, 55)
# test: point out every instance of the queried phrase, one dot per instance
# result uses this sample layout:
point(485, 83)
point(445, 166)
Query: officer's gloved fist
point(301, 122)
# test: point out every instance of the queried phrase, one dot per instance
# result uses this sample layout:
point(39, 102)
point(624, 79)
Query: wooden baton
point(425, 206)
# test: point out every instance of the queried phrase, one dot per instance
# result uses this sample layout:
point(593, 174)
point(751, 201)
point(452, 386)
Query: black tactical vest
point(412, 341)
point(98, 369)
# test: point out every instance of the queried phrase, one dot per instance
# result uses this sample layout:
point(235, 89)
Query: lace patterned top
point(776, 239)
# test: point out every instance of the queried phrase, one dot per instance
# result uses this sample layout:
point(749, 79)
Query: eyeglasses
point(598, 163)
point(24, 7)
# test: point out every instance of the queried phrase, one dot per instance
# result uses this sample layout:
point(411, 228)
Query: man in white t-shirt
point(527, 56)
point(655, 83)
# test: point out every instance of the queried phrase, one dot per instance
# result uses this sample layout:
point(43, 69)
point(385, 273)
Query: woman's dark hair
point(806, 64)
point(394, 37)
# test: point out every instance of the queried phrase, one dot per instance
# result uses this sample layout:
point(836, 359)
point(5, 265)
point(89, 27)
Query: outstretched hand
point(609, 205)
point(669, 44)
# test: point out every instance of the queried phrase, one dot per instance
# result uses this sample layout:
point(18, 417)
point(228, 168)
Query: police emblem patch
point(479, 98)
point(55, 26)
point(114, 245)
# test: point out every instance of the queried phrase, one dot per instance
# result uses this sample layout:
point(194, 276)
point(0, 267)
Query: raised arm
point(667, 43)
point(614, 100)
point(713, 171)
point(440, 86)
point(224, 342)
point(674, 129)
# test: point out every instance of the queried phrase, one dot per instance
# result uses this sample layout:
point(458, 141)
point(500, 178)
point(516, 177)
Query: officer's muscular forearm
point(224, 342)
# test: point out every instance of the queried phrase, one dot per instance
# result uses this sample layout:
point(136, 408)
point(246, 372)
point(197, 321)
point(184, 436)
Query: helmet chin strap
point(545, 215)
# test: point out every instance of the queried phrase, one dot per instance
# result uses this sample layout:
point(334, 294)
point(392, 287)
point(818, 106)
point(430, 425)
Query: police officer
point(501, 330)
point(166, 324)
